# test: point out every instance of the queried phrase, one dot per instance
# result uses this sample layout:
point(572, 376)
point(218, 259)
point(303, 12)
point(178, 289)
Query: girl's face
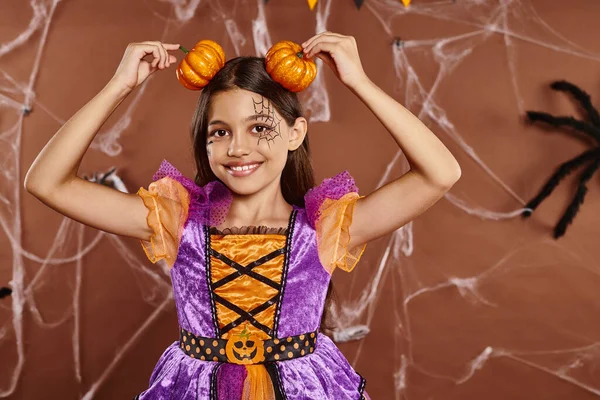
point(248, 141)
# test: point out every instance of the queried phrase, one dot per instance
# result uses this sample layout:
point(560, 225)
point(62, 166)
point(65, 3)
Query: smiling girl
point(251, 242)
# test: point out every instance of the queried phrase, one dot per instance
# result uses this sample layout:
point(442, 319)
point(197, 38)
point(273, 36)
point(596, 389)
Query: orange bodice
point(246, 277)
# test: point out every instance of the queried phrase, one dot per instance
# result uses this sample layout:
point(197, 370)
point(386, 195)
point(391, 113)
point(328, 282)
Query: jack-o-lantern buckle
point(245, 348)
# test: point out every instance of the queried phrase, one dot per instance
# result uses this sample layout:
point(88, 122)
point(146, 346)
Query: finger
point(330, 41)
point(312, 39)
point(327, 60)
point(171, 47)
point(322, 47)
point(165, 55)
point(170, 59)
point(333, 34)
point(156, 62)
point(308, 41)
point(322, 39)
point(325, 33)
point(161, 51)
point(147, 49)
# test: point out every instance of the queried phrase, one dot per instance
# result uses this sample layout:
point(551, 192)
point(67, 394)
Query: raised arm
point(52, 177)
point(433, 169)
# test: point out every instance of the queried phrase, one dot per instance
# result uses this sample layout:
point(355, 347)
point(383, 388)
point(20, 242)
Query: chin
point(240, 187)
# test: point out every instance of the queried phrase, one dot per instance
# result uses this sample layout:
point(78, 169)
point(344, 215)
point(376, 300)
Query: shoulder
point(329, 190)
point(208, 203)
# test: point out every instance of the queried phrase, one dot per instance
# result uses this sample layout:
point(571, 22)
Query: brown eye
point(259, 129)
point(218, 132)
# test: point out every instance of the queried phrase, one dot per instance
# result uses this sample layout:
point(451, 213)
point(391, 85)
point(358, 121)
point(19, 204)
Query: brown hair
point(249, 73)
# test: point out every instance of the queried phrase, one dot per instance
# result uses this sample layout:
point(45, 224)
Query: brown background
point(457, 281)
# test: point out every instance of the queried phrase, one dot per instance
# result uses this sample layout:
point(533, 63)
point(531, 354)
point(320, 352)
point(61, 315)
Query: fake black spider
point(110, 179)
point(592, 129)
point(5, 291)
point(102, 178)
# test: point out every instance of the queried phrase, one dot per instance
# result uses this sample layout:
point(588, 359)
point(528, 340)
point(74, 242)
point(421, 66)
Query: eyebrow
point(247, 119)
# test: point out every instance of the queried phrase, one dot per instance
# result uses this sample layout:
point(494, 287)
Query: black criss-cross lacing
point(241, 271)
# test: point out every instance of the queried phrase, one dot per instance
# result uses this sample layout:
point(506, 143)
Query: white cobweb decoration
point(513, 21)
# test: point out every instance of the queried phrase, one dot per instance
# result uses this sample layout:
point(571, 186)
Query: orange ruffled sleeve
point(168, 203)
point(329, 208)
point(333, 234)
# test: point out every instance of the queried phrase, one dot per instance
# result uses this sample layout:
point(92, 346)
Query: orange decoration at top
point(200, 64)
point(287, 64)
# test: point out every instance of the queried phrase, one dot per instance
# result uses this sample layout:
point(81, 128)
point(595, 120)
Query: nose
point(239, 146)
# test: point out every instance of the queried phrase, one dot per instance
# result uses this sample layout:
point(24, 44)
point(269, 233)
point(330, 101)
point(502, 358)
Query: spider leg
point(110, 172)
point(5, 291)
point(562, 171)
point(562, 121)
point(573, 208)
point(582, 98)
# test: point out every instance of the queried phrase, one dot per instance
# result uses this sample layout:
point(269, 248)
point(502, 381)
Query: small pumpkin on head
point(285, 62)
point(200, 64)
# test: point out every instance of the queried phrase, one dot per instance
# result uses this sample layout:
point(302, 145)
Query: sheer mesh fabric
point(167, 202)
point(329, 209)
point(333, 234)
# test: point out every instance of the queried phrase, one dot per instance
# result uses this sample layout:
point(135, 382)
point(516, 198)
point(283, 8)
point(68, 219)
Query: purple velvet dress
point(299, 287)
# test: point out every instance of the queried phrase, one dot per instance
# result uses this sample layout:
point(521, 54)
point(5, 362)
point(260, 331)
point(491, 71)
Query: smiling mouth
point(242, 170)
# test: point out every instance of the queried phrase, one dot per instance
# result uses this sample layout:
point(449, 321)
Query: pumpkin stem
point(300, 54)
point(183, 49)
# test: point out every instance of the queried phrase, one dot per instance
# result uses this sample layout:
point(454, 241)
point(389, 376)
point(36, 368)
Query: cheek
point(212, 154)
point(276, 151)
point(273, 141)
point(214, 149)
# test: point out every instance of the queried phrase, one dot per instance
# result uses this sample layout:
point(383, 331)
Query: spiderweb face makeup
point(265, 113)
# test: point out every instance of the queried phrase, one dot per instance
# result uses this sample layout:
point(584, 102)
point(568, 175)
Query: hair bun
point(286, 64)
point(200, 64)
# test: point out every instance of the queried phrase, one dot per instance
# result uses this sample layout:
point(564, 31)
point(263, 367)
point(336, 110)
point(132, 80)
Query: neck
point(266, 207)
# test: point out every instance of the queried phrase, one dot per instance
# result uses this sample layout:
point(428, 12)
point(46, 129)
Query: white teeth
point(244, 168)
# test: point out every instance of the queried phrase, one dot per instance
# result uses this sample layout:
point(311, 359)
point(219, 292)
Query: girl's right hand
point(133, 69)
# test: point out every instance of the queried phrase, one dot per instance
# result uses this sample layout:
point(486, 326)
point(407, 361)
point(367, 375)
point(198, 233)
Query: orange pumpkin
point(200, 64)
point(287, 64)
point(248, 349)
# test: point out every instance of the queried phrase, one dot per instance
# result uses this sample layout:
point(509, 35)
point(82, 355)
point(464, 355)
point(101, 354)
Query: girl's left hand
point(340, 53)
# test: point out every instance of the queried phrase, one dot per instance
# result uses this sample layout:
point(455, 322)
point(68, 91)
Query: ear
point(297, 133)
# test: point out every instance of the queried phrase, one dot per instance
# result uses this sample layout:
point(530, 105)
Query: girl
point(250, 242)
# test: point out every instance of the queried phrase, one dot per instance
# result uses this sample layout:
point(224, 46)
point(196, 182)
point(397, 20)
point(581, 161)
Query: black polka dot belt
point(246, 348)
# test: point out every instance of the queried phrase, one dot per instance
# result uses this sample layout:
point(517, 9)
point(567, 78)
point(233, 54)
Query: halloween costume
point(249, 300)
